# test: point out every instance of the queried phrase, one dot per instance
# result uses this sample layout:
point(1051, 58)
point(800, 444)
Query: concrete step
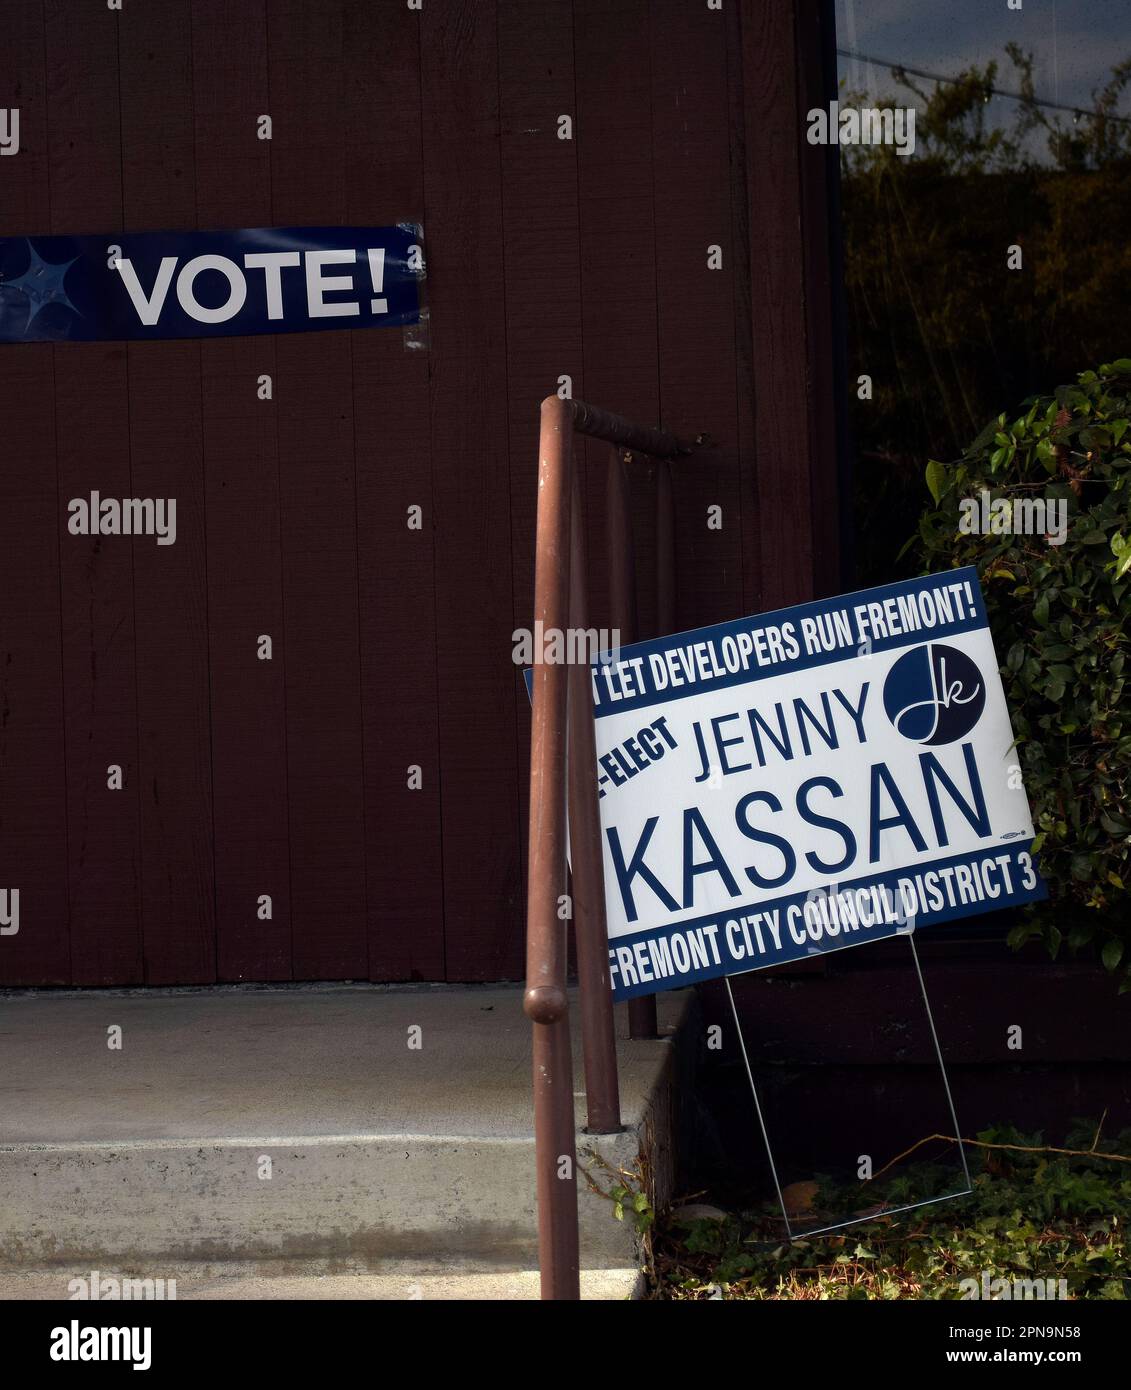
point(379, 1129)
point(463, 1281)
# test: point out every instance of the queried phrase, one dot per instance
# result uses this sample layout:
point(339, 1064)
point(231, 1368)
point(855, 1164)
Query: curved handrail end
point(545, 1003)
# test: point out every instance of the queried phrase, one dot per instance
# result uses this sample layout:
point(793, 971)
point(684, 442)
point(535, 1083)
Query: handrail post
point(546, 1002)
point(643, 1023)
point(563, 771)
point(598, 1038)
point(618, 534)
point(665, 550)
point(555, 1153)
point(622, 608)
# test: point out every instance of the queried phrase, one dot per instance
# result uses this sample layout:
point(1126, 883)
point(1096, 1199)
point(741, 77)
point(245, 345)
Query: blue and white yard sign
point(146, 285)
point(806, 780)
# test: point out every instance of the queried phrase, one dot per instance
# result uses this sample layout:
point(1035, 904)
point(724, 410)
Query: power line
point(994, 91)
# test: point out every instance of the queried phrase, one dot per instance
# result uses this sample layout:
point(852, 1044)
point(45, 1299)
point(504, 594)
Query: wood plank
point(318, 482)
point(820, 170)
point(97, 585)
point(404, 864)
point(178, 889)
point(178, 908)
point(743, 314)
point(33, 819)
point(691, 158)
point(618, 261)
point(540, 227)
point(542, 278)
point(777, 269)
point(483, 889)
point(33, 815)
point(244, 554)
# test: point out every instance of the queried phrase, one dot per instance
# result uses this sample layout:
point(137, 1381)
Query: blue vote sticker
point(153, 285)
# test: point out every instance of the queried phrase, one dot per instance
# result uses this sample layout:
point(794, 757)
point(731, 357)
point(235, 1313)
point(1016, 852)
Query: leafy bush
point(1041, 1214)
point(1059, 616)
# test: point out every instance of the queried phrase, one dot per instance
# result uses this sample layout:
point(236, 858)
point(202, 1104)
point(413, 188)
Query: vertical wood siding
point(585, 257)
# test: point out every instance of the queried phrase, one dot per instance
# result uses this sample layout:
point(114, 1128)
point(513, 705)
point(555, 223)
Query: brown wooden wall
point(392, 647)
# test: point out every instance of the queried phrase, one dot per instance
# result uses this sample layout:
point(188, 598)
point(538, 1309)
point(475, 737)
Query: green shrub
point(1052, 1213)
point(1059, 616)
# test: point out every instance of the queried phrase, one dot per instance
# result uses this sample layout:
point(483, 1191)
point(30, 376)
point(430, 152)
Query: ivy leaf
point(936, 479)
point(1063, 628)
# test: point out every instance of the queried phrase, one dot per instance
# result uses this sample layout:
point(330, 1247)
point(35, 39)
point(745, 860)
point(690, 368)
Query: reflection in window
point(993, 261)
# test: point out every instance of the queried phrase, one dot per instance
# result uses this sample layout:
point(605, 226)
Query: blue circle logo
point(934, 694)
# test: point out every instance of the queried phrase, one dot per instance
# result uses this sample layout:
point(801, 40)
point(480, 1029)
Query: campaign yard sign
point(806, 780)
point(150, 285)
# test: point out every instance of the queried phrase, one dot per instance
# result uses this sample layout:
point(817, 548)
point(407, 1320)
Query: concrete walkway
point(259, 1142)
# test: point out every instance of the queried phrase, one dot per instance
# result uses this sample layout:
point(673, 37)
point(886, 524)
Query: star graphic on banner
point(41, 284)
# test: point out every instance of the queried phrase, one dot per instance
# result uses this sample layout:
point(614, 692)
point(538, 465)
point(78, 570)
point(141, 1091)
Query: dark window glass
point(1022, 139)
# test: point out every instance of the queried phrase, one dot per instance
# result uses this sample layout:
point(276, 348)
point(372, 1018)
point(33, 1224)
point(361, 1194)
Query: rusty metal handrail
point(562, 772)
